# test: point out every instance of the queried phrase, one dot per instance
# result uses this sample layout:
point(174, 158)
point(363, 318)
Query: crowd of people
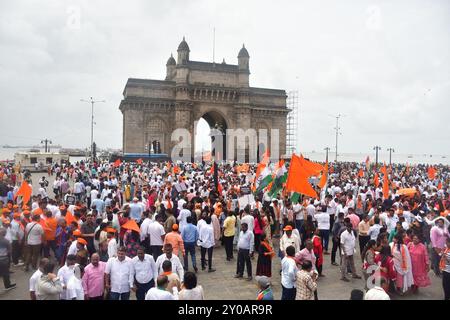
point(104, 230)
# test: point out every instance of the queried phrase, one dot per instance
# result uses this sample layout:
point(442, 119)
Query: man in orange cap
point(174, 238)
point(33, 241)
point(289, 239)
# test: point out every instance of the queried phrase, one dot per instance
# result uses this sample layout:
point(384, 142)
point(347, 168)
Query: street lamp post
point(338, 132)
point(92, 102)
point(390, 154)
point(46, 142)
point(327, 149)
point(376, 148)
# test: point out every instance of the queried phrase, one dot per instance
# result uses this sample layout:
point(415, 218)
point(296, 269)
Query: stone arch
point(263, 130)
point(216, 119)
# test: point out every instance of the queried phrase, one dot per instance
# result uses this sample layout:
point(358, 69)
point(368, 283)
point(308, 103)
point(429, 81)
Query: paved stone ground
point(221, 285)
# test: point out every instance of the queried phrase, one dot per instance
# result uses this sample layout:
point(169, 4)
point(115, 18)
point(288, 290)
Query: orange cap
point(76, 233)
point(175, 227)
point(287, 228)
point(26, 212)
point(110, 230)
point(17, 215)
point(82, 241)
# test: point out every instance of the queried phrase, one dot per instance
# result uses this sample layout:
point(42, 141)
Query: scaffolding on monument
point(292, 122)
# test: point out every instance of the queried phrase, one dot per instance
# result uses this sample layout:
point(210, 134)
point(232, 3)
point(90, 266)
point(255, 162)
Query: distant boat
point(443, 157)
point(410, 156)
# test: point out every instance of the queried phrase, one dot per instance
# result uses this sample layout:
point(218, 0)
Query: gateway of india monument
point(220, 93)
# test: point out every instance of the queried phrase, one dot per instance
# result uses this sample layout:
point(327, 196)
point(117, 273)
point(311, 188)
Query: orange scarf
point(269, 249)
point(403, 253)
point(359, 204)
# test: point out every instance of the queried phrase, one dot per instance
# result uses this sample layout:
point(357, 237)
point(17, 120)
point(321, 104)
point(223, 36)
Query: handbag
point(442, 261)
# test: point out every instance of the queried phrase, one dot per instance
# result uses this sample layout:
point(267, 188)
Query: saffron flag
point(431, 173)
point(439, 185)
point(24, 191)
point(219, 188)
point(117, 163)
point(139, 161)
point(324, 178)
point(297, 179)
point(385, 182)
point(376, 180)
point(385, 187)
point(361, 173)
point(312, 168)
point(176, 169)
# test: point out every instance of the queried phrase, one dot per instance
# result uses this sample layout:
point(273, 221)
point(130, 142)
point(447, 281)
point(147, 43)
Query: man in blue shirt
point(190, 236)
point(99, 205)
point(136, 210)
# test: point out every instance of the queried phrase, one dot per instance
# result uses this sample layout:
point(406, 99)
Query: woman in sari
point(402, 263)
point(385, 263)
point(318, 251)
point(420, 263)
point(267, 226)
point(265, 255)
point(369, 260)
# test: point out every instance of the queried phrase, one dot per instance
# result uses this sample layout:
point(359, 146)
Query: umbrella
point(131, 225)
point(406, 192)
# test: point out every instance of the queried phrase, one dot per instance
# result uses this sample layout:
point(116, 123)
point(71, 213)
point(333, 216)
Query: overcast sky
point(382, 64)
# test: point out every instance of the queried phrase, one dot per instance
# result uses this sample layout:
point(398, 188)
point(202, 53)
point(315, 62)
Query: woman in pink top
point(258, 228)
point(420, 263)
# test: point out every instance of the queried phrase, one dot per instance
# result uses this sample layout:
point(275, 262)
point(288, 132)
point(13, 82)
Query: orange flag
point(24, 191)
point(431, 173)
point(297, 180)
point(312, 168)
point(117, 163)
point(176, 169)
point(219, 188)
point(440, 185)
point(383, 170)
point(376, 181)
point(324, 178)
point(139, 161)
point(385, 187)
point(361, 173)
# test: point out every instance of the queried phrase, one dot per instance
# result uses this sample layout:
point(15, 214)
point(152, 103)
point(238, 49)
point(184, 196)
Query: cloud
point(384, 66)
